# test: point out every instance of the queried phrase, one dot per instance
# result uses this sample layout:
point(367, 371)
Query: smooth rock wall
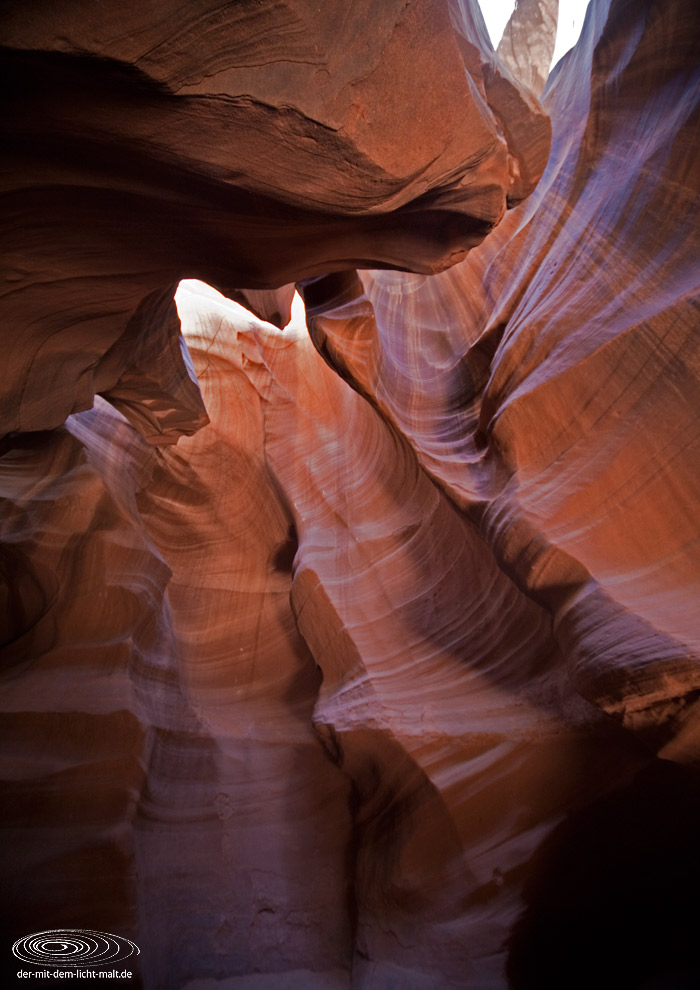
point(364, 682)
point(245, 144)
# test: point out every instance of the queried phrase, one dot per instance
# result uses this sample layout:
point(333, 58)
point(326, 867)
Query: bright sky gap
point(571, 17)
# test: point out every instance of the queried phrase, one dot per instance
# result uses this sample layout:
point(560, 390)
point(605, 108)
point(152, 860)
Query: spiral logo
point(73, 947)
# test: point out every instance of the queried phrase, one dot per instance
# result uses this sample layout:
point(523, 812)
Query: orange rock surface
point(248, 144)
point(360, 649)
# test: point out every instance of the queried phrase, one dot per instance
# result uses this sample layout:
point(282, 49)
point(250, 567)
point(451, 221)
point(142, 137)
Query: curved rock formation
point(247, 145)
point(364, 684)
point(528, 41)
point(532, 355)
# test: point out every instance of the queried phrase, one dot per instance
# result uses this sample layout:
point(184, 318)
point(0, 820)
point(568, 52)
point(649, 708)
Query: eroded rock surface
point(364, 684)
point(528, 41)
point(246, 144)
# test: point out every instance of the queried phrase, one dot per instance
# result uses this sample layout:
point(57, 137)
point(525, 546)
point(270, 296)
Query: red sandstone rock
point(321, 695)
point(530, 379)
point(246, 144)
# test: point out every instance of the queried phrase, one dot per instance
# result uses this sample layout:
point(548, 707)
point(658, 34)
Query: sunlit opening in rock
point(354, 645)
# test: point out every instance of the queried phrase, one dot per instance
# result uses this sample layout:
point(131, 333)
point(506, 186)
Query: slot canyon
point(350, 481)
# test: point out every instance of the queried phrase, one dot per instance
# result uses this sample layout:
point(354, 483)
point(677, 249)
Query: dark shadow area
point(611, 900)
point(107, 166)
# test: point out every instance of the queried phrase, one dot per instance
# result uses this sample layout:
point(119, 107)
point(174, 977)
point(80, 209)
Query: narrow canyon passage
point(350, 464)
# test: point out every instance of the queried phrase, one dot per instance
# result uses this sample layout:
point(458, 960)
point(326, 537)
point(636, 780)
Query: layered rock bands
point(351, 640)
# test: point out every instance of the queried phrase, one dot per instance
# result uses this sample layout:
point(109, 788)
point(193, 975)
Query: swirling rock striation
point(246, 144)
point(321, 694)
point(536, 383)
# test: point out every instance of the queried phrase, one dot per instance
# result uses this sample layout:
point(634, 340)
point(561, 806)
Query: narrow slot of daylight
point(572, 14)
